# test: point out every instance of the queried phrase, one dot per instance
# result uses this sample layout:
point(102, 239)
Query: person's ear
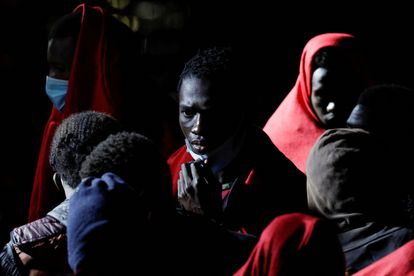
point(58, 182)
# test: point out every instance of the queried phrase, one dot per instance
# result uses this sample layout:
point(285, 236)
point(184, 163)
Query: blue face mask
point(56, 90)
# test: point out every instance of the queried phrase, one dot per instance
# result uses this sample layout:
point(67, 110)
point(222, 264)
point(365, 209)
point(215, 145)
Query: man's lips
point(329, 116)
point(198, 148)
point(198, 145)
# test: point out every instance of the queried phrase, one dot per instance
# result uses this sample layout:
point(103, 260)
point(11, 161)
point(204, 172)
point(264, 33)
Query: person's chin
point(335, 122)
point(330, 120)
point(199, 149)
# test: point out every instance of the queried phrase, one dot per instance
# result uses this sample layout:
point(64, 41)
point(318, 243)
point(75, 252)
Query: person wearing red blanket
point(399, 262)
point(87, 53)
point(228, 170)
point(332, 74)
point(134, 193)
point(296, 244)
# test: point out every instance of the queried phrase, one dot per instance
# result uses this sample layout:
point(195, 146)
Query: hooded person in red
point(331, 76)
point(296, 244)
point(87, 53)
point(399, 262)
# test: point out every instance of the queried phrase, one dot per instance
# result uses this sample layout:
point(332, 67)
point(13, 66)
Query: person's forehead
point(61, 48)
point(194, 87)
point(204, 88)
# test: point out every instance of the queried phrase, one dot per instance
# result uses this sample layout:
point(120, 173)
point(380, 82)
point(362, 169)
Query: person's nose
point(196, 129)
point(330, 107)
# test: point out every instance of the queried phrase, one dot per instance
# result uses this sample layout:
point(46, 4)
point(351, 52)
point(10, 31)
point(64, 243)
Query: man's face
point(60, 53)
point(206, 118)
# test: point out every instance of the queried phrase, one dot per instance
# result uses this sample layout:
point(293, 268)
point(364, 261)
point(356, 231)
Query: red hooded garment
point(398, 263)
point(89, 88)
point(296, 244)
point(294, 127)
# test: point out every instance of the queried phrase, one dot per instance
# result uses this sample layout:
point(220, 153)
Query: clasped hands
point(199, 192)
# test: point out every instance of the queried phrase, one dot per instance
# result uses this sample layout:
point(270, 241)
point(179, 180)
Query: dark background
point(270, 34)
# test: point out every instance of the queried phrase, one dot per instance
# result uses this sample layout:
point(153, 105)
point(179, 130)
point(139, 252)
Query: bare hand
point(199, 192)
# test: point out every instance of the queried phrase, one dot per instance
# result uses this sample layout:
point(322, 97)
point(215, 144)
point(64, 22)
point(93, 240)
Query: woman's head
point(337, 81)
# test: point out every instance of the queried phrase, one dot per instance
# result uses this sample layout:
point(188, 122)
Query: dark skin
point(207, 120)
point(335, 92)
point(60, 52)
point(199, 192)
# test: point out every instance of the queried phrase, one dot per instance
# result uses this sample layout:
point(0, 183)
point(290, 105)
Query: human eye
point(57, 70)
point(54, 66)
point(187, 112)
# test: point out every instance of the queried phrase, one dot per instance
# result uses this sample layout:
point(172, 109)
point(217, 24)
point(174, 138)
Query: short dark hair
point(217, 64)
point(138, 161)
point(208, 62)
point(75, 138)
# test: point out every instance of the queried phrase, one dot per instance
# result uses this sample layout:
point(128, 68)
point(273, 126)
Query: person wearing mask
point(90, 56)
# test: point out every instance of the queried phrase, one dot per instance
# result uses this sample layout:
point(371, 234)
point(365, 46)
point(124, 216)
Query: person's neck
point(68, 190)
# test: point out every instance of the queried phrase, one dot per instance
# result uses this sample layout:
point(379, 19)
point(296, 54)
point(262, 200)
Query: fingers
point(184, 184)
point(193, 170)
point(180, 184)
point(184, 171)
point(190, 180)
